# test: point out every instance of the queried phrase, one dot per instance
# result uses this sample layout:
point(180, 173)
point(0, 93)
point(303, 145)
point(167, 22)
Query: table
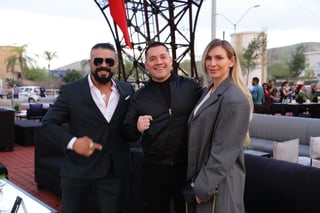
point(9, 193)
point(296, 109)
point(25, 131)
point(257, 153)
point(22, 115)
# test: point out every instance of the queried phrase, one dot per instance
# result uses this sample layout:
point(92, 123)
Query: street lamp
point(236, 23)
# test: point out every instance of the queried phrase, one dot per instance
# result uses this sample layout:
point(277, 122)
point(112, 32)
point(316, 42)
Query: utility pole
point(214, 19)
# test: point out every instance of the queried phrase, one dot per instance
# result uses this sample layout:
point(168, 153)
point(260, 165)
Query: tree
point(49, 56)
point(297, 63)
point(84, 64)
point(37, 74)
point(19, 57)
point(10, 82)
point(279, 70)
point(250, 55)
point(72, 75)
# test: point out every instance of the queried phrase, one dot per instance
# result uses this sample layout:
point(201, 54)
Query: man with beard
point(97, 156)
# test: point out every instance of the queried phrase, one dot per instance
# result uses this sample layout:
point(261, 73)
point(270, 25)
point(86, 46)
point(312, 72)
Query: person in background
point(285, 92)
point(97, 156)
point(15, 91)
point(257, 91)
point(218, 129)
point(314, 88)
point(272, 88)
point(316, 93)
point(158, 113)
point(274, 91)
point(268, 98)
point(42, 92)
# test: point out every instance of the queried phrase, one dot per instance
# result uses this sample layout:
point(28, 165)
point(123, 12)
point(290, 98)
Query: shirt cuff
point(70, 144)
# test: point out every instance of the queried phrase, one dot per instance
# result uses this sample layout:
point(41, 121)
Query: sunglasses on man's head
point(99, 61)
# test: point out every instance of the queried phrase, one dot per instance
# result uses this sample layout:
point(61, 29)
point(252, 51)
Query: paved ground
point(20, 165)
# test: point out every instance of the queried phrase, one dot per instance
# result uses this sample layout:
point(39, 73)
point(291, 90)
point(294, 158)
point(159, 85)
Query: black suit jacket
point(76, 105)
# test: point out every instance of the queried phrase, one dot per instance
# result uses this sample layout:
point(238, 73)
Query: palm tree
point(19, 57)
point(49, 56)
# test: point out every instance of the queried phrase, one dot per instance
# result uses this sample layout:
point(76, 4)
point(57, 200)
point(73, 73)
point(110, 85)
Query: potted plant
point(301, 97)
point(16, 107)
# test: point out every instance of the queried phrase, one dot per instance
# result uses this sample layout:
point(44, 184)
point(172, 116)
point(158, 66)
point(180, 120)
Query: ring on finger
point(91, 145)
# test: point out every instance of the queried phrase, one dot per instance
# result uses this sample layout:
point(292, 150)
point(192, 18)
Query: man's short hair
point(155, 44)
point(104, 46)
point(255, 79)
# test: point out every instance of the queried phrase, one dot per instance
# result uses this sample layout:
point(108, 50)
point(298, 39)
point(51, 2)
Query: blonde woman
point(218, 129)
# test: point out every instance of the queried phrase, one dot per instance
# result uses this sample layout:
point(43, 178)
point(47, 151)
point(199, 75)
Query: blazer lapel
point(124, 97)
point(213, 98)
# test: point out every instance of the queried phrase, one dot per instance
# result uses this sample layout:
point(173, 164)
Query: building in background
point(313, 60)
point(4, 54)
point(240, 41)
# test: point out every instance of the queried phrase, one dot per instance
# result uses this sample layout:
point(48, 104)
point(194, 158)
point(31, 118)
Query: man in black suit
point(97, 155)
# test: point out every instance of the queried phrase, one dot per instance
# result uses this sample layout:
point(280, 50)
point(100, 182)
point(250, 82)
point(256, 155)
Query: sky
point(71, 27)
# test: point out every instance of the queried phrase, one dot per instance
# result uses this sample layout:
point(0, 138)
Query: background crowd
point(288, 92)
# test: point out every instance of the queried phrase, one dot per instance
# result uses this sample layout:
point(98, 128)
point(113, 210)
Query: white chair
point(314, 149)
point(286, 150)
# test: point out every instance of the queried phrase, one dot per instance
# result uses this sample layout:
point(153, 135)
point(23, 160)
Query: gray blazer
point(215, 148)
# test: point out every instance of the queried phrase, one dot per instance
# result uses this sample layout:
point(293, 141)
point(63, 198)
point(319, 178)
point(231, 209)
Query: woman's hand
point(197, 199)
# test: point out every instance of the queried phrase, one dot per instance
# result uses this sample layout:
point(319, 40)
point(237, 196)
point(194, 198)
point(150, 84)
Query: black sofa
point(48, 161)
point(7, 129)
point(274, 186)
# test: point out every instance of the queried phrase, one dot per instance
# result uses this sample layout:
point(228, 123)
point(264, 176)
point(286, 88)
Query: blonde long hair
point(235, 72)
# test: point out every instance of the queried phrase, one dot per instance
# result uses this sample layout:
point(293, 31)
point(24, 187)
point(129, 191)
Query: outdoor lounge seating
point(48, 163)
point(7, 129)
point(266, 129)
point(278, 186)
point(271, 185)
point(36, 111)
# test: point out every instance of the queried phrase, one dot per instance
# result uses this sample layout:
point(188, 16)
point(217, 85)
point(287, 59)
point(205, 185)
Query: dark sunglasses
point(109, 61)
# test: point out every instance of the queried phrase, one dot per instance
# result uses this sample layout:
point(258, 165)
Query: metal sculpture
point(171, 22)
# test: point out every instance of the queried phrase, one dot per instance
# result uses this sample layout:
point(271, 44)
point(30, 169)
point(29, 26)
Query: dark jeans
point(163, 185)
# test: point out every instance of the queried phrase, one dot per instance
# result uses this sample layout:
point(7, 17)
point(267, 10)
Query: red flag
point(118, 14)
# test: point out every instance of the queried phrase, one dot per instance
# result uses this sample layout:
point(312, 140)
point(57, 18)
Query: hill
point(276, 53)
point(73, 66)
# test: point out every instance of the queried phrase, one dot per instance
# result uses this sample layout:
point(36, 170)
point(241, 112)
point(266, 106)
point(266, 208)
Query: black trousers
point(91, 196)
point(162, 187)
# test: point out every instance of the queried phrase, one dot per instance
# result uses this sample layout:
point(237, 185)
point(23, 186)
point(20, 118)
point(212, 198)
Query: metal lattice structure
point(168, 21)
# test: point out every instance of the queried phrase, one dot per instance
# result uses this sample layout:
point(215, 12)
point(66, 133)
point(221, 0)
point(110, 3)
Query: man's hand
point(85, 146)
point(144, 122)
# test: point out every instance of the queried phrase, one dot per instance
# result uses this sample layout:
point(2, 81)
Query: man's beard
point(103, 79)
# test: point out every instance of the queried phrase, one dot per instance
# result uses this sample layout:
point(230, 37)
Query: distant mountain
point(277, 52)
point(280, 52)
point(310, 47)
point(73, 66)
